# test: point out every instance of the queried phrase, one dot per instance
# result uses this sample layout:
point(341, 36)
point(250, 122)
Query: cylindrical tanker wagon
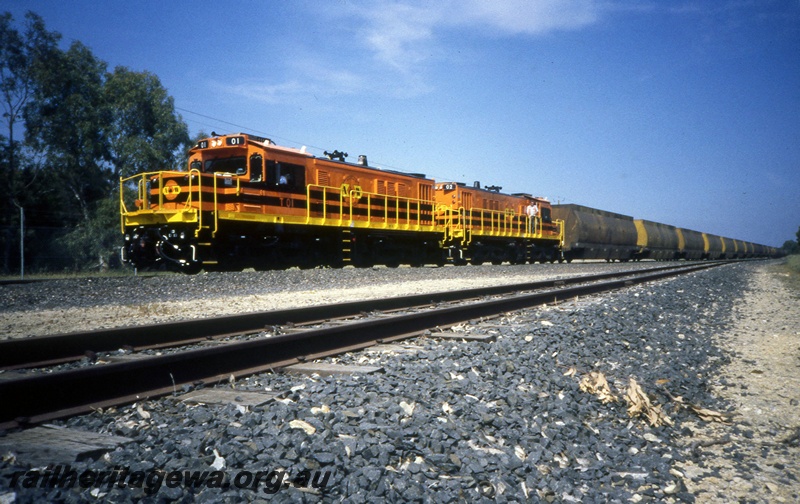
point(656, 240)
point(590, 233)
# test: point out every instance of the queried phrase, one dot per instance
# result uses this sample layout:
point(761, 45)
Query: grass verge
point(789, 272)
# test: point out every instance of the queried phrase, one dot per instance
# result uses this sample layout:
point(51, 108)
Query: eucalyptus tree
point(18, 56)
point(67, 121)
point(145, 133)
point(87, 127)
point(19, 52)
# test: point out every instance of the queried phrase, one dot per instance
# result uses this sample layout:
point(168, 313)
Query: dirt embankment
point(757, 457)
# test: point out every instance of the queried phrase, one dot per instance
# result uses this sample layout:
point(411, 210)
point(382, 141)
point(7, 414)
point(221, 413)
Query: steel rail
point(38, 351)
point(20, 281)
point(42, 397)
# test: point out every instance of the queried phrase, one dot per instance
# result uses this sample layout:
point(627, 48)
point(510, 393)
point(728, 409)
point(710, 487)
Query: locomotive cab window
point(256, 168)
point(546, 214)
point(236, 164)
point(286, 176)
point(196, 164)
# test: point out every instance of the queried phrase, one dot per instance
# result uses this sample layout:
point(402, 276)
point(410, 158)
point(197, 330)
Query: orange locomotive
point(484, 225)
point(247, 202)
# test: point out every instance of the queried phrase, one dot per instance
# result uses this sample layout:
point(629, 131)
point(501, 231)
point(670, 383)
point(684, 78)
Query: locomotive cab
point(279, 176)
point(284, 176)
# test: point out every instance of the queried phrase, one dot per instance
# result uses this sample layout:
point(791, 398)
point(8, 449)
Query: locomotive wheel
point(362, 263)
point(192, 268)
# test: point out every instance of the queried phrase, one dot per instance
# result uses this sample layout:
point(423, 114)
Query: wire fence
point(44, 249)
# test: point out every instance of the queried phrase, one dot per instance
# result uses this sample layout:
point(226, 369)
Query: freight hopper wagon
point(484, 225)
point(658, 241)
point(664, 242)
point(245, 201)
point(590, 233)
point(597, 234)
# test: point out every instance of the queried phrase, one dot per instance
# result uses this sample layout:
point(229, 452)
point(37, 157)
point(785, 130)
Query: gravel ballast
point(66, 305)
point(455, 421)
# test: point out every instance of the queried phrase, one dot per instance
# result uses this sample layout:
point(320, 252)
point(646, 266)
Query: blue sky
point(683, 112)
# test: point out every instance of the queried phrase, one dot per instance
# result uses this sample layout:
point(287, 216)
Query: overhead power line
point(244, 128)
point(269, 135)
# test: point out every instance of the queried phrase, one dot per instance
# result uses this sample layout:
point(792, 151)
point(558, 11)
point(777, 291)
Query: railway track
point(39, 351)
point(39, 397)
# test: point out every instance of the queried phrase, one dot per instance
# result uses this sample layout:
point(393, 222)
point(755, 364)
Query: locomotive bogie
point(169, 245)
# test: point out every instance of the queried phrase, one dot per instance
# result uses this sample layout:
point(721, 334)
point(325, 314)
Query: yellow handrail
point(157, 179)
point(350, 199)
point(199, 200)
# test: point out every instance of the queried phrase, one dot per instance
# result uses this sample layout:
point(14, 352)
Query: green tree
point(84, 128)
point(95, 243)
point(18, 54)
point(790, 247)
point(17, 57)
point(145, 133)
point(15, 90)
point(66, 122)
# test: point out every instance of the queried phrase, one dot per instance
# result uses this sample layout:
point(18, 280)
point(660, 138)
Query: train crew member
point(532, 210)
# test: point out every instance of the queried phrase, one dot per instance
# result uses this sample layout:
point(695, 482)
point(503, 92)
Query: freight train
point(246, 202)
point(597, 234)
